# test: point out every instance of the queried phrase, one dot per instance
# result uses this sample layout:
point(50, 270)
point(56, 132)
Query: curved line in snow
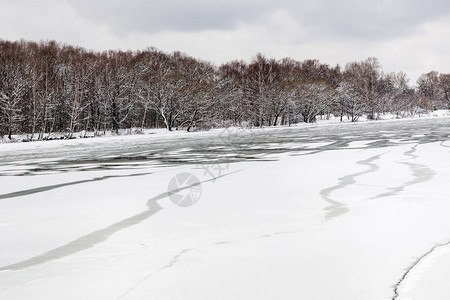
point(101, 235)
point(337, 208)
point(411, 268)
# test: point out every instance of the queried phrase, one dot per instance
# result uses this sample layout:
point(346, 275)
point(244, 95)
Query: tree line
point(48, 87)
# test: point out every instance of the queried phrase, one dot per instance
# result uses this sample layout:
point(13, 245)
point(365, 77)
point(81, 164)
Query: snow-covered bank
point(321, 121)
point(312, 221)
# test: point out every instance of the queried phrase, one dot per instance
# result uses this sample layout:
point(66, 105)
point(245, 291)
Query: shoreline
point(145, 132)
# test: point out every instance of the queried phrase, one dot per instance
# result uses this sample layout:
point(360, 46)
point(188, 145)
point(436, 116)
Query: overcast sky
point(411, 36)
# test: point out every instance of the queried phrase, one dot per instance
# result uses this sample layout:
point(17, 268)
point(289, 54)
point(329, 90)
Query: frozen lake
point(339, 211)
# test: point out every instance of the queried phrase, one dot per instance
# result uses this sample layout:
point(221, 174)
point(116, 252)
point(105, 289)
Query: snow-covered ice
point(352, 211)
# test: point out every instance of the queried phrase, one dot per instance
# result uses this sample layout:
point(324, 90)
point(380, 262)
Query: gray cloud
point(372, 19)
point(151, 16)
point(379, 19)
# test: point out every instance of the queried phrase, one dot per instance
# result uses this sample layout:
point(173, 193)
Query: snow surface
point(348, 211)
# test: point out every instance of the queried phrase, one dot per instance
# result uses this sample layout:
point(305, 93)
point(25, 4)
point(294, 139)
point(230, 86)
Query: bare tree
point(428, 86)
point(350, 103)
point(260, 79)
point(159, 86)
point(364, 78)
point(312, 98)
point(444, 86)
point(13, 84)
point(229, 90)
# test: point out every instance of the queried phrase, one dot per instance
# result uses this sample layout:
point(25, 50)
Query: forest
point(48, 87)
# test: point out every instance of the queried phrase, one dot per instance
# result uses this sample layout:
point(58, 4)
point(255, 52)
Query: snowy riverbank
point(322, 120)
